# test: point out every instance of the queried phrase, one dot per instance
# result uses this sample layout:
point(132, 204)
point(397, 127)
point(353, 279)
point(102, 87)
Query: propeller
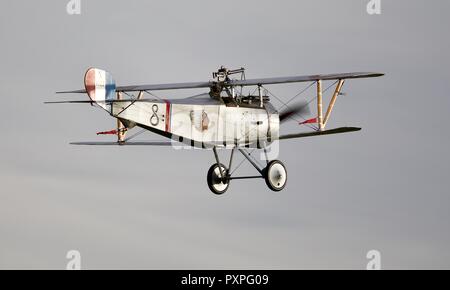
point(300, 108)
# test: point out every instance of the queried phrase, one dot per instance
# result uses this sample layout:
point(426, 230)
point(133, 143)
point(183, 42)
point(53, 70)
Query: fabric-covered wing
point(319, 133)
point(297, 79)
point(156, 87)
point(102, 102)
point(249, 82)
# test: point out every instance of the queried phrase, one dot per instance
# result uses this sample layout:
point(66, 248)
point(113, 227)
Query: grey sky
point(383, 188)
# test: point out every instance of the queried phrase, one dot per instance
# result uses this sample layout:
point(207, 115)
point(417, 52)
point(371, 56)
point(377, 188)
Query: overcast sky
point(384, 188)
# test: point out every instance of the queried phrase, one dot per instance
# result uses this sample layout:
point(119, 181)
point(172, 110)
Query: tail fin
point(100, 87)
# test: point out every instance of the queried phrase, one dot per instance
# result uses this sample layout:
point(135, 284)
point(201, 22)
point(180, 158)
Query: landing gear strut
point(219, 176)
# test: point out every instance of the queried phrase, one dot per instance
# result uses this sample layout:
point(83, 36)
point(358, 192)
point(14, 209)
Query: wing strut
point(319, 105)
point(121, 129)
point(337, 91)
point(320, 119)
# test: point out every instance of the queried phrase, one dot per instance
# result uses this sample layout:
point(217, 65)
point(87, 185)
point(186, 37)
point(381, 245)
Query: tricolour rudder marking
point(100, 87)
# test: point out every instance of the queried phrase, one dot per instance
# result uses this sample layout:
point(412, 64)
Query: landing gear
point(219, 176)
point(217, 179)
point(275, 175)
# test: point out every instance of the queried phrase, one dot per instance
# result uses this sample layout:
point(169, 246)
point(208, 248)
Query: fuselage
point(202, 121)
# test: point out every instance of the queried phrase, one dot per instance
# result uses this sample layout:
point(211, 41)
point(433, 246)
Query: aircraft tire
point(215, 184)
point(275, 175)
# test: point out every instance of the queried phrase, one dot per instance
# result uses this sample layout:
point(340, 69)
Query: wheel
point(215, 182)
point(275, 175)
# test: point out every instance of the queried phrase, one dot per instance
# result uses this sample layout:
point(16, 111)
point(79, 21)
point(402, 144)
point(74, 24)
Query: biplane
point(222, 118)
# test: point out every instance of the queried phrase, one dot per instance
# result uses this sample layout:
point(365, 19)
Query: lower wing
point(319, 133)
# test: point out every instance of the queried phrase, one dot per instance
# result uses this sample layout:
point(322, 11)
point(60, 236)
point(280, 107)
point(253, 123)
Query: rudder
point(100, 87)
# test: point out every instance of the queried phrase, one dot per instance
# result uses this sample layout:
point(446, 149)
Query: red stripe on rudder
point(89, 83)
point(168, 105)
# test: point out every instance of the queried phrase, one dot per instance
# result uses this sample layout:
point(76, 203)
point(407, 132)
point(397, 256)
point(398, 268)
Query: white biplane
point(222, 118)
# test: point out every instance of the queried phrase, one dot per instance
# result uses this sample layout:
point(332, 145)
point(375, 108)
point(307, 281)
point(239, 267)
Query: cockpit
point(229, 94)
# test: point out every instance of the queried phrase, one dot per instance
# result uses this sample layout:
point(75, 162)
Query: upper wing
point(102, 102)
point(318, 133)
point(156, 87)
point(249, 82)
point(298, 79)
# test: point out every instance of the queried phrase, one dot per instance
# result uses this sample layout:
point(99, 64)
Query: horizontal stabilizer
point(319, 133)
point(137, 143)
point(102, 102)
point(83, 91)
